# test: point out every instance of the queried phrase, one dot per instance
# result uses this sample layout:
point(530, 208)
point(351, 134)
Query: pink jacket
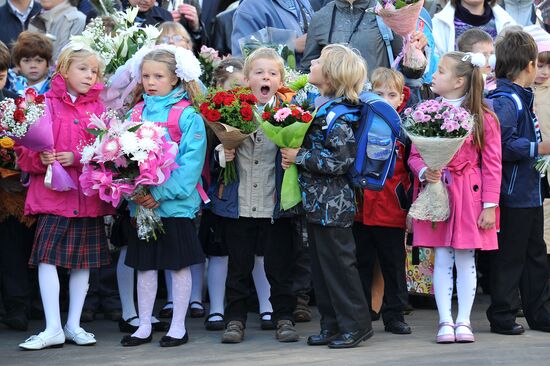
point(69, 121)
point(474, 179)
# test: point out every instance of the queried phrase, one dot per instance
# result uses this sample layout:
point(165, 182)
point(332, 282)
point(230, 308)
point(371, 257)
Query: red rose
point(213, 115)
point(252, 99)
point(20, 103)
point(306, 117)
point(228, 99)
point(30, 94)
point(266, 116)
point(19, 115)
point(246, 112)
point(295, 113)
point(218, 99)
point(40, 99)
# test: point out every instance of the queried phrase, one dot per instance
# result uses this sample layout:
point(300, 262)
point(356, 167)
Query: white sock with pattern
point(443, 286)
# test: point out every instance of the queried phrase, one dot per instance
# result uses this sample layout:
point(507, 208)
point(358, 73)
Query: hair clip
point(230, 69)
point(476, 59)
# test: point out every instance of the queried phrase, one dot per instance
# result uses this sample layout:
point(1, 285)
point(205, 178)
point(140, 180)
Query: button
point(255, 185)
point(476, 188)
point(254, 209)
point(75, 121)
point(75, 212)
point(256, 162)
point(259, 139)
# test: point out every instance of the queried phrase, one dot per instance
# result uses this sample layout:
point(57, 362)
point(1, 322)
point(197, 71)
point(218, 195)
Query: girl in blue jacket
point(169, 78)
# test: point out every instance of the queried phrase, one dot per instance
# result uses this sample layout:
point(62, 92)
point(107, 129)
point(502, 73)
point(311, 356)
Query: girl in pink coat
point(473, 182)
point(70, 230)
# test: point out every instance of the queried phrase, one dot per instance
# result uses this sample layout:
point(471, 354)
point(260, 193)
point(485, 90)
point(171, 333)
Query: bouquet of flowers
point(286, 126)
point(124, 159)
point(305, 92)
point(19, 114)
point(438, 130)
point(8, 160)
point(230, 114)
point(209, 59)
point(542, 165)
point(281, 40)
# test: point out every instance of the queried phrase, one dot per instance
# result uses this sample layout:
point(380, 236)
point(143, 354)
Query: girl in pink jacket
point(473, 182)
point(70, 230)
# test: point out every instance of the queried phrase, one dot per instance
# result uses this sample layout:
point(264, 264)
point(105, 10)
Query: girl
point(227, 75)
point(70, 232)
point(177, 200)
point(474, 187)
point(329, 201)
point(175, 34)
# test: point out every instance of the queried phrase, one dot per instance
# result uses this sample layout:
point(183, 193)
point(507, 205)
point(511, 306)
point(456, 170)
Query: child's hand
point(419, 40)
point(47, 157)
point(432, 176)
point(65, 158)
point(544, 148)
point(487, 218)
point(289, 156)
point(146, 201)
point(229, 154)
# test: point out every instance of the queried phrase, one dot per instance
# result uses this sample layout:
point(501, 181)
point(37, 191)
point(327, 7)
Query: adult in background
point(14, 17)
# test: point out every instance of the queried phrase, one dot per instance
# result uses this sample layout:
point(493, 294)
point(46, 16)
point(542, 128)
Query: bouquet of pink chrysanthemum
point(124, 159)
point(437, 130)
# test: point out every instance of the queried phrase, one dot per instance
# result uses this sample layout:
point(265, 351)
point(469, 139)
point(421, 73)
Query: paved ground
point(260, 347)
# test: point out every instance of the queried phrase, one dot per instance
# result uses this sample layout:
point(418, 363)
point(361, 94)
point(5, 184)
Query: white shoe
point(79, 337)
point(42, 341)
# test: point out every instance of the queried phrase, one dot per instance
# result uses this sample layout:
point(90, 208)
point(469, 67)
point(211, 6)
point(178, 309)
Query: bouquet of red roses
point(19, 114)
point(230, 114)
point(286, 126)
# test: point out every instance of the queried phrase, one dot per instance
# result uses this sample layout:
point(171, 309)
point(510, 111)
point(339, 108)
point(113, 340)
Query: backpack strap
point(513, 97)
point(336, 112)
point(387, 36)
point(173, 119)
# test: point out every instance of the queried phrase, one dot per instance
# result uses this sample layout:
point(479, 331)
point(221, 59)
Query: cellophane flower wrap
point(286, 126)
point(437, 129)
point(124, 160)
point(230, 114)
point(209, 59)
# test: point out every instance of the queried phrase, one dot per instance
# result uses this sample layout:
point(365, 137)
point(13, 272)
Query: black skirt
point(177, 248)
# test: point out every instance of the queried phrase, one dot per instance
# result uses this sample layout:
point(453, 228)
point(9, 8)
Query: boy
point(476, 40)
point(252, 222)
point(31, 54)
point(521, 258)
point(380, 233)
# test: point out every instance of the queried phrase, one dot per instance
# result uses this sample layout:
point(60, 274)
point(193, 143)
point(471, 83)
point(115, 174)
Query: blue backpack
point(376, 130)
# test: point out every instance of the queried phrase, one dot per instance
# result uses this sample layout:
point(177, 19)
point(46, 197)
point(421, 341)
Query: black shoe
point(129, 341)
point(197, 313)
point(515, 329)
point(351, 339)
point(165, 312)
point(214, 324)
point(397, 327)
point(125, 327)
point(266, 324)
point(322, 339)
point(16, 321)
point(374, 316)
point(167, 341)
point(87, 316)
point(160, 326)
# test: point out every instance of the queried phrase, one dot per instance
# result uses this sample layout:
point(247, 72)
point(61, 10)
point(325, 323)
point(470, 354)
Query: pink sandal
point(445, 338)
point(464, 337)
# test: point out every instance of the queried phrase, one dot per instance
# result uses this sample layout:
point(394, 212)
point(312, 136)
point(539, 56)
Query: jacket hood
point(407, 96)
point(59, 90)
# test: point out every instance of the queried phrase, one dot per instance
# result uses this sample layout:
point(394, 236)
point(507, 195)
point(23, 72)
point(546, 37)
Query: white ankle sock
point(181, 284)
point(217, 274)
point(49, 292)
point(78, 288)
point(262, 287)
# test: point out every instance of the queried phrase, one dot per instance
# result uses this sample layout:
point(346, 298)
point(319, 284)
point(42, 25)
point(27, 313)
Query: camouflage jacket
point(323, 162)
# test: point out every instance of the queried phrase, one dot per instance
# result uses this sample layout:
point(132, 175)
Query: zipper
point(513, 179)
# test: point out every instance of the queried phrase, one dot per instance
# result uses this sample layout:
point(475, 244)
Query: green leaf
point(96, 131)
point(135, 128)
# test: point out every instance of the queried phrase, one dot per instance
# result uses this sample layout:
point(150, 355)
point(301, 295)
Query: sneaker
point(302, 314)
point(234, 333)
point(286, 331)
point(42, 341)
point(79, 337)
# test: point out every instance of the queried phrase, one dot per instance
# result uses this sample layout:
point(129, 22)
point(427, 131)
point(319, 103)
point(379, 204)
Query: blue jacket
point(254, 15)
point(178, 196)
point(521, 184)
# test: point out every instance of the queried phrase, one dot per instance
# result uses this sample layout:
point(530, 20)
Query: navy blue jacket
point(522, 186)
point(11, 25)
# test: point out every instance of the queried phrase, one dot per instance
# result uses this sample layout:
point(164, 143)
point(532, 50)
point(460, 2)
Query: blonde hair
point(71, 53)
point(192, 88)
point(175, 28)
point(383, 76)
point(267, 54)
point(344, 70)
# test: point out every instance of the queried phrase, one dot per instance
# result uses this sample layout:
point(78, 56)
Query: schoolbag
point(377, 129)
point(512, 96)
point(173, 129)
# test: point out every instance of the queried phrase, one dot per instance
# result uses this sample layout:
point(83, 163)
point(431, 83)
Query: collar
point(23, 16)
point(454, 102)
point(156, 103)
point(58, 90)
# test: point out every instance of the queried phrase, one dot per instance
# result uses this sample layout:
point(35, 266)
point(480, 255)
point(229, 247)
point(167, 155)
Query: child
point(473, 186)
point(252, 224)
point(70, 232)
point(175, 34)
point(59, 20)
point(381, 230)
point(177, 200)
point(520, 261)
point(329, 202)
point(542, 96)
point(476, 40)
point(31, 54)
point(227, 75)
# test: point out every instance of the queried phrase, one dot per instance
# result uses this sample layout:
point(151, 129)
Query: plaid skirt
point(70, 242)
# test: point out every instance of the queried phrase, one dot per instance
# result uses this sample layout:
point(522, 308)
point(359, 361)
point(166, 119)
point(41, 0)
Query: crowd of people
point(343, 246)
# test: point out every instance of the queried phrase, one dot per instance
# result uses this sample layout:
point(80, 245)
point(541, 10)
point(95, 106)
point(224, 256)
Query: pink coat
point(69, 121)
point(474, 179)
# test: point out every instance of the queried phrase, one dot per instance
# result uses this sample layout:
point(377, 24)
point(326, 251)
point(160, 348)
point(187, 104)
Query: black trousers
point(388, 244)
point(338, 290)
point(15, 248)
point(103, 290)
point(302, 273)
point(242, 236)
point(520, 262)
